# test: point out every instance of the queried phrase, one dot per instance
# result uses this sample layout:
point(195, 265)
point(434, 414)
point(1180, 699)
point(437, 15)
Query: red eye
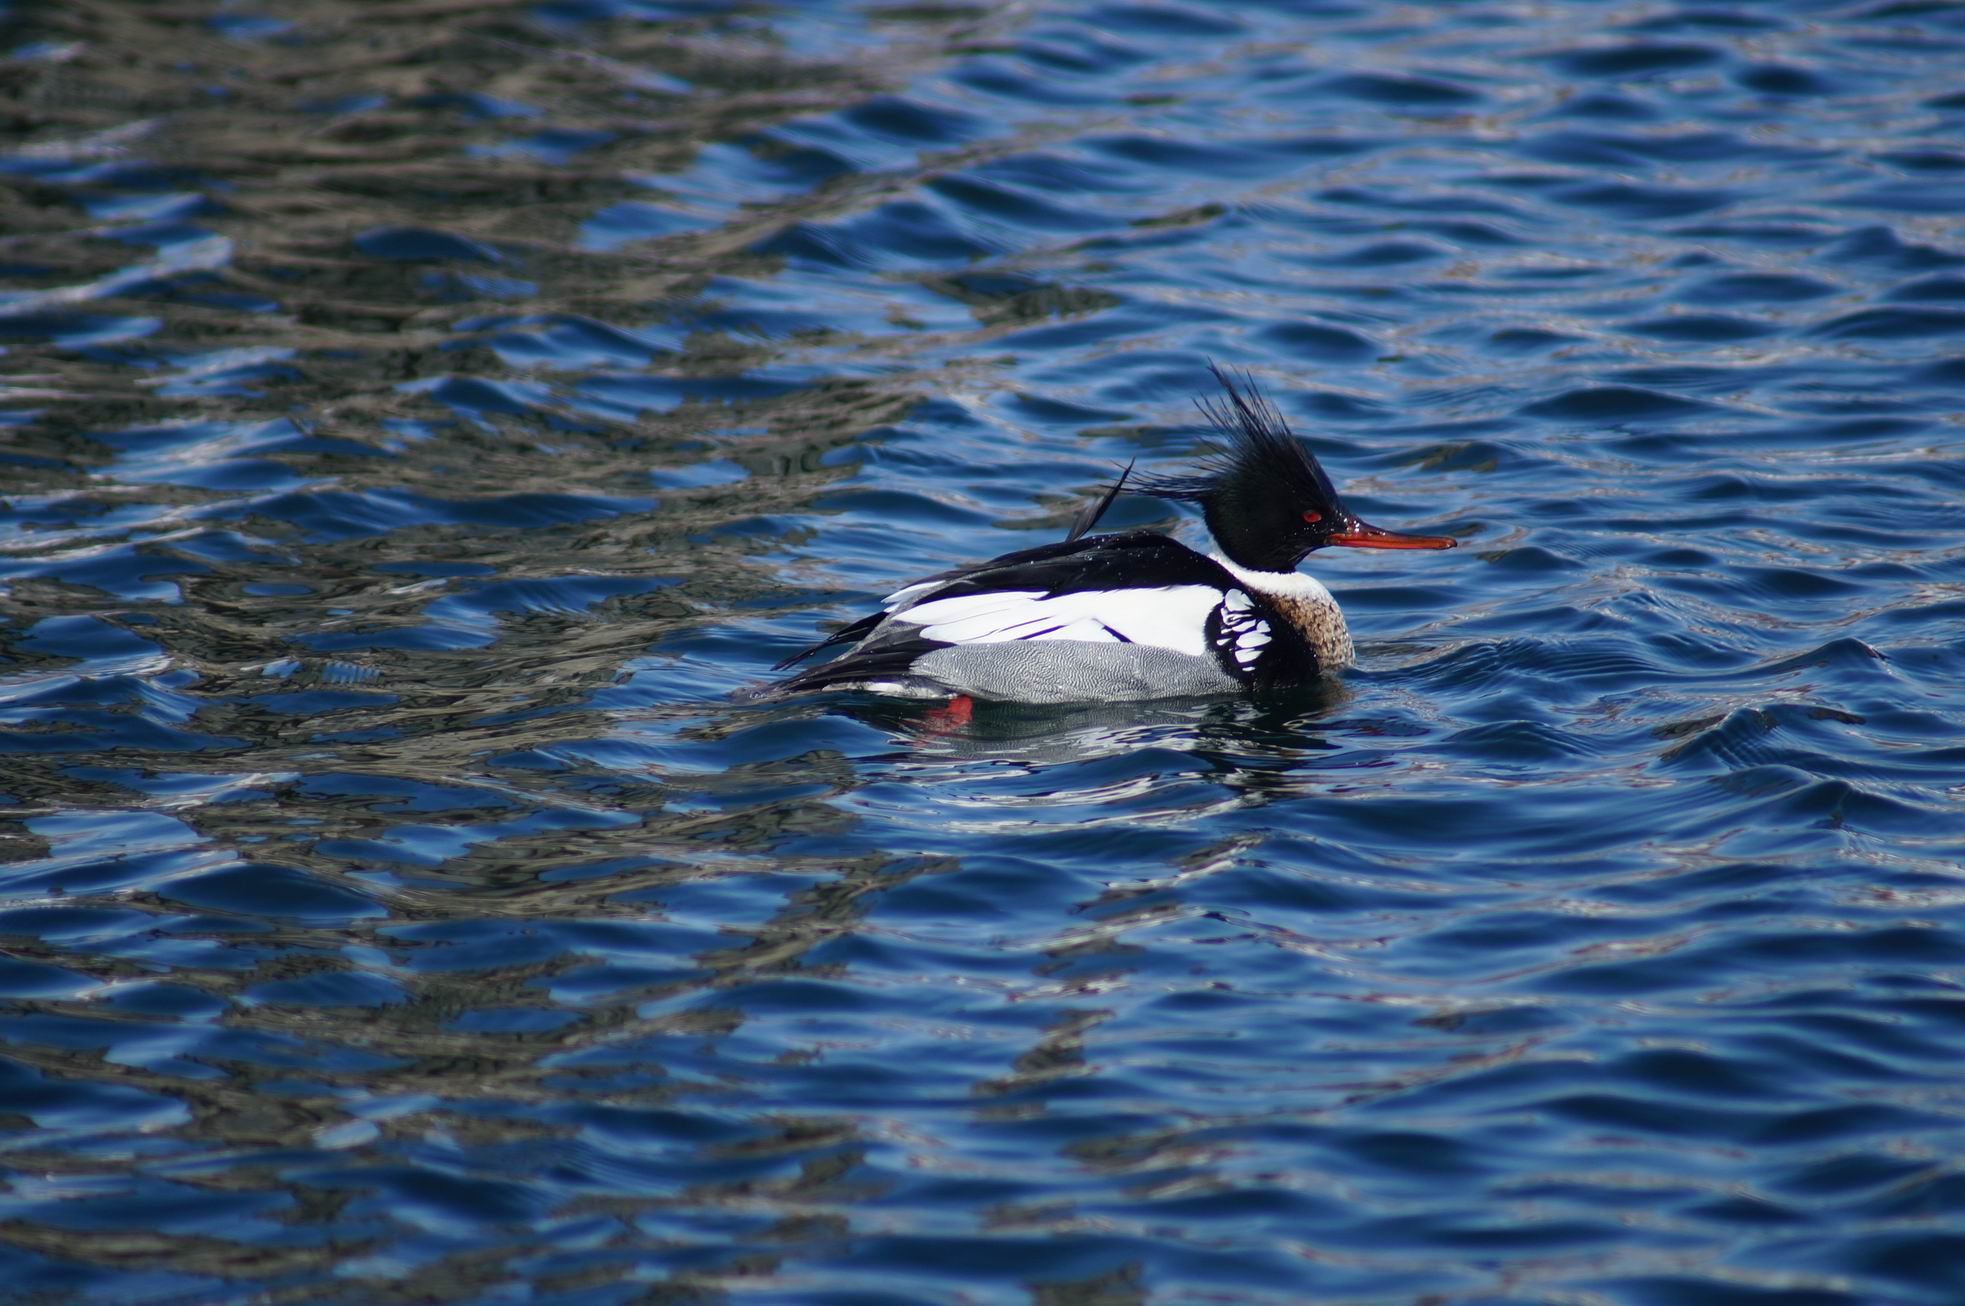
point(1312, 516)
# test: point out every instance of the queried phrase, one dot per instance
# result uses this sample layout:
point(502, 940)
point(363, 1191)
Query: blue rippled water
point(421, 420)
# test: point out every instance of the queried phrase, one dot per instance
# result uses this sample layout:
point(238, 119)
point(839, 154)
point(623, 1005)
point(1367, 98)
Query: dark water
point(421, 418)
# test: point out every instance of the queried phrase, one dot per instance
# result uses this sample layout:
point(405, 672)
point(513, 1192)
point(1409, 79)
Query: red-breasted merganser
point(1135, 615)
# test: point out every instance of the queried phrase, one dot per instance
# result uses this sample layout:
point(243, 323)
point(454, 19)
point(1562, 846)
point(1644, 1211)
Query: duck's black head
point(1266, 501)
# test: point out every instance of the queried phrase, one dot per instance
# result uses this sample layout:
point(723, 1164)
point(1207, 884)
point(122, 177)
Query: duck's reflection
point(1049, 735)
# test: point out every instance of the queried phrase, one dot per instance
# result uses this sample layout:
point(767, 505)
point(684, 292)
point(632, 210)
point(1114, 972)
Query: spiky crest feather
point(1254, 481)
point(1255, 441)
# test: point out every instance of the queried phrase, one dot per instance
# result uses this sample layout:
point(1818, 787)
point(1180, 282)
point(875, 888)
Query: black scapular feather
point(1089, 515)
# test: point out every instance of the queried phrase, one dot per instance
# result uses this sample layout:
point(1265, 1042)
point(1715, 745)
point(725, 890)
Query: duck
point(1134, 615)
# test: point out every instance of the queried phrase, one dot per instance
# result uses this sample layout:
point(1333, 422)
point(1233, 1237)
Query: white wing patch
point(1173, 617)
point(1244, 632)
point(900, 598)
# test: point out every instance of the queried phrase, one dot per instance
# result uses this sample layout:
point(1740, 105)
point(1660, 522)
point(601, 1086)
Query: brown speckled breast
point(1322, 625)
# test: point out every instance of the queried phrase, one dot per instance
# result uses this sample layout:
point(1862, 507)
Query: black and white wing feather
point(1137, 588)
point(1240, 632)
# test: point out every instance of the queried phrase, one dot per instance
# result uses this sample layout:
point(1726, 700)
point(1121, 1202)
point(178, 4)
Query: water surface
point(421, 420)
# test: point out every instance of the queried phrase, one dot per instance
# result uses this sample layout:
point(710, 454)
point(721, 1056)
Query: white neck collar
point(1286, 584)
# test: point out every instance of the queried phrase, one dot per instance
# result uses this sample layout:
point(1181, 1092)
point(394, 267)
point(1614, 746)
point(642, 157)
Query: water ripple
point(418, 432)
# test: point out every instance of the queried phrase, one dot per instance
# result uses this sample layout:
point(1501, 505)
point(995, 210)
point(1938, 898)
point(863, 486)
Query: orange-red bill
point(1363, 536)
